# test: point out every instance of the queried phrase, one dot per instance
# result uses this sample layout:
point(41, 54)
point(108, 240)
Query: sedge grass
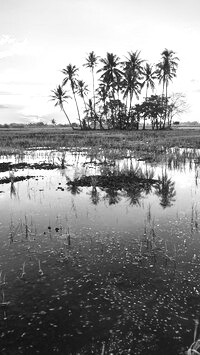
point(195, 346)
point(142, 141)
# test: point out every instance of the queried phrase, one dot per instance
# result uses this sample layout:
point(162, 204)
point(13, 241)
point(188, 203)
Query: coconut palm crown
point(150, 75)
point(110, 71)
point(60, 96)
point(167, 68)
point(91, 63)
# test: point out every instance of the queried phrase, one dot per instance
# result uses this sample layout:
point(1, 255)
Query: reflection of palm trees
point(13, 192)
point(94, 195)
point(165, 189)
point(134, 194)
point(112, 195)
point(74, 189)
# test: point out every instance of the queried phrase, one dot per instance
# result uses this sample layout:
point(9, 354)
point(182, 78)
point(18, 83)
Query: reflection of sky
point(43, 203)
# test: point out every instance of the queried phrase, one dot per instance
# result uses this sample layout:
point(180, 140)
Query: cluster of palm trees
point(115, 86)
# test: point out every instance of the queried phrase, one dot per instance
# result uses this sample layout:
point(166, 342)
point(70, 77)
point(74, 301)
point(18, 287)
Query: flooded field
point(99, 255)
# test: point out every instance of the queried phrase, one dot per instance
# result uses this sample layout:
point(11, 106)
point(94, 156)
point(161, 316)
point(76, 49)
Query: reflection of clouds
point(9, 107)
point(4, 107)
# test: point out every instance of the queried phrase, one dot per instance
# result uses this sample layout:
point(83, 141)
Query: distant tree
point(53, 121)
point(152, 108)
point(177, 106)
point(60, 96)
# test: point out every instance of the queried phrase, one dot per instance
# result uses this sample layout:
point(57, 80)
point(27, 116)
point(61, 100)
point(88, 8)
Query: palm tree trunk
point(84, 103)
point(131, 98)
point(144, 122)
point(166, 100)
point(62, 108)
point(86, 110)
point(163, 88)
point(147, 90)
point(79, 117)
point(126, 104)
point(93, 89)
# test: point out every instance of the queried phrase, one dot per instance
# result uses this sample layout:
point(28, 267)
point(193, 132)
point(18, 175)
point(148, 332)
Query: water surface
point(94, 268)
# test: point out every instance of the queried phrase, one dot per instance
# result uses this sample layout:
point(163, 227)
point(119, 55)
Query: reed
point(39, 268)
point(103, 348)
point(3, 303)
point(23, 270)
point(195, 346)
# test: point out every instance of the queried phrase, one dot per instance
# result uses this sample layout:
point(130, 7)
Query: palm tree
point(82, 90)
point(70, 73)
point(102, 97)
point(149, 76)
point(90, 114)
point(133, 75)
point(111, 72)
point(166, 69)
point(166, 72)
point(91, 63)
point(111, 77)
point(132, 86)
point(60, 96)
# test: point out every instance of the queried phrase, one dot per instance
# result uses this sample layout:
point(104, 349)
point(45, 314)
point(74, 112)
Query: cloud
point(6, 39)
point(4, 107)
point(7, 93)
point(10, 46)
point(12, 106)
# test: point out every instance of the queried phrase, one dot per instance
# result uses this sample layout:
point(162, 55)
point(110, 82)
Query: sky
point(39, 38)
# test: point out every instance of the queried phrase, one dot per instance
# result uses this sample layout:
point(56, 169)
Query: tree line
point(117, 87)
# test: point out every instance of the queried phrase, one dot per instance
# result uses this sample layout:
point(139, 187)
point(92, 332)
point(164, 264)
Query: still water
point(98, 269)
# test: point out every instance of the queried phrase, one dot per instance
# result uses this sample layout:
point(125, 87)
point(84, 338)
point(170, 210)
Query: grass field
point(13, 140)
